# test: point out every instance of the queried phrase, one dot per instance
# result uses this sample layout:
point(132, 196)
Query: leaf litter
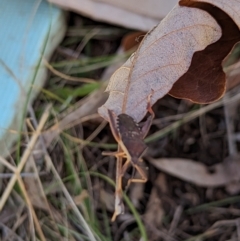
point(174, 195)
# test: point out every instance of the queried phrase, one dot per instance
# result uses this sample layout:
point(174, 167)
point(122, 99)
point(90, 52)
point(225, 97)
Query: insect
point(130, 138)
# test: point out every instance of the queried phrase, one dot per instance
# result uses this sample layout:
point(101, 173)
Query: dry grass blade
point(24, 158)
point(86, 109)
point(7, 232)
point(67, 77)
point(32, 212)
point(208, 234)
point(96, 131)
point(7, 164)
point(70, 200)
point(17, 171)
point(230, 112)
point(192, 115)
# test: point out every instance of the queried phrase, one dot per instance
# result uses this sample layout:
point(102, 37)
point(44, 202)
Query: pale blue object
point(25, 25)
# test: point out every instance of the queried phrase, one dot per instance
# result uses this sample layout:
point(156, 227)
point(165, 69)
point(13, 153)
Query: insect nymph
point(130, 138)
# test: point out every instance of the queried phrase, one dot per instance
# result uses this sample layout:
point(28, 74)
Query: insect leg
point(119, 207)
point(142, 174)
point(114, 153)
point(125, 166)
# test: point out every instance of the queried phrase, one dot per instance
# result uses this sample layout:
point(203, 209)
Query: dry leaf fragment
point(162, 58)
point(154, 210)
point(205, 80)
point(199, 174)
point(174, 53)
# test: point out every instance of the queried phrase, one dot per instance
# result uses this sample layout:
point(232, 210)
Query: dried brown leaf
point(183, 55)
point(162, 58)
point(199, 174)
point(205, 80)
